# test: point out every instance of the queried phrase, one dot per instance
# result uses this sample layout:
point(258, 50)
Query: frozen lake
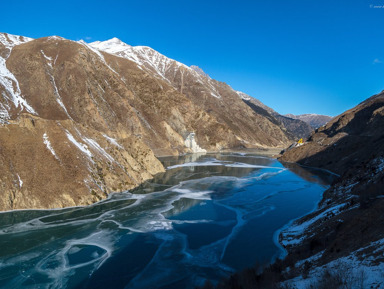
point(204, 218)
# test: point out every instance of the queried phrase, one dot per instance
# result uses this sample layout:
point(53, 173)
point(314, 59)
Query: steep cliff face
point(78, 122)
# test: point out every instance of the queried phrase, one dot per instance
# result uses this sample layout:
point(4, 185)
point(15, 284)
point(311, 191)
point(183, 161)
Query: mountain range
point(314, 120)
point(79, 121)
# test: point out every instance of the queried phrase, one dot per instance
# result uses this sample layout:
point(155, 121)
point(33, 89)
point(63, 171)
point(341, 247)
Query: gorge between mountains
point(123, 168)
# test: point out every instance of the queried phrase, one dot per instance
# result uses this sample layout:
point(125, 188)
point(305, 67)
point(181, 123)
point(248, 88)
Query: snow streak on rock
point(8, 81)
point(112, 141)
point(80, 146)
point(49, 146)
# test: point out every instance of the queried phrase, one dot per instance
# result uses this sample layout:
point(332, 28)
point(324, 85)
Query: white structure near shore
point(190, 142)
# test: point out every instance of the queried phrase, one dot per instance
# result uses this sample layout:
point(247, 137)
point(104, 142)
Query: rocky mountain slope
point(62, 143)
point(80, 121)
point(298, 128)
point(314, 120)
point(343, 238)
point(241, 126)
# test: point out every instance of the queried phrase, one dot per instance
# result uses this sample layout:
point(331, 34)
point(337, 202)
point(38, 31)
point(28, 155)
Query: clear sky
point(297, 56)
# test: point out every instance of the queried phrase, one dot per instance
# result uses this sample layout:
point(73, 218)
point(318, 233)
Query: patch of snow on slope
point(112, 141)
point(4, 115)
point(10, 41)
point(8, 80)
point(57, 94)
point(80, 146)
point(200, 71)
point(379, 164)
point(20, 182)
point(243, 95)
point(292, 233)
point(49, 59)
point(97, 147)
point(354, 272)
point(45, 56)
point(11, 85)
point(49, 146)
point(54, 37)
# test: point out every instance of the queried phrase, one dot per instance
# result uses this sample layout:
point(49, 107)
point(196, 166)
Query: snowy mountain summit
point(113, 45)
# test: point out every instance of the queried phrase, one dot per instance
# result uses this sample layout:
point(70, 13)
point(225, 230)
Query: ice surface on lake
point(202, 219)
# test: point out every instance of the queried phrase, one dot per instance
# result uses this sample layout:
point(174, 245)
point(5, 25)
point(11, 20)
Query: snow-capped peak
point(145, 57)
point(115, 40)
point(113, 46)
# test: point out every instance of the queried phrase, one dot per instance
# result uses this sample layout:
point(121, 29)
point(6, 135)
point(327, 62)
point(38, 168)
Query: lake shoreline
point(268, 152)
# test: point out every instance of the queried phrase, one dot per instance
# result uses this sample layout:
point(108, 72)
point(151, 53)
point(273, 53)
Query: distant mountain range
point(297, 126)
point(314, 120)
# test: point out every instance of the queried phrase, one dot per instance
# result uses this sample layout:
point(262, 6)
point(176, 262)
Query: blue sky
point(297, 56)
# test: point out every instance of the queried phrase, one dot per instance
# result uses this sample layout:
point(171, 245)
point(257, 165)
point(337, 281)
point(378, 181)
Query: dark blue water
point(206, 217)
